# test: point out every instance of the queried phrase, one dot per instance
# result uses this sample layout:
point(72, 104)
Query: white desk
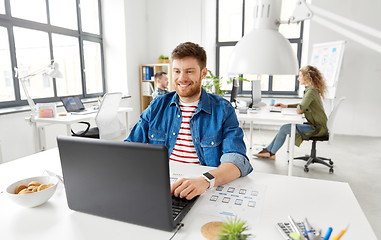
point(265, 117)
point(39, 123)
point(325, 203)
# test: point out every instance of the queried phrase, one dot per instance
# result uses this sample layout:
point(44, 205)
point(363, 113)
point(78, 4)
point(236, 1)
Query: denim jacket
point(216, 134)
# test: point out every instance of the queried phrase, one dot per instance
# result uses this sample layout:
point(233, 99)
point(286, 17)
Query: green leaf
point(233, 230)
point(214, 86)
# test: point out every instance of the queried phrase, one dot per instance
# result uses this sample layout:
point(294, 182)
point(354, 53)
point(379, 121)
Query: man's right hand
point(189, 187)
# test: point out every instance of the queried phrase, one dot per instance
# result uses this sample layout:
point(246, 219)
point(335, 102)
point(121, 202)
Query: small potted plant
point(163, 59)
point(166, 59)
point(232, 229)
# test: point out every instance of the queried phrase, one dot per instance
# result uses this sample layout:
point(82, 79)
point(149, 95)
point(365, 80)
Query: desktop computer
point(234, 93)
point(256, 95)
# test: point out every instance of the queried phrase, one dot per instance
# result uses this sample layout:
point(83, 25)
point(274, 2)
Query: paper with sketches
point(230, 200)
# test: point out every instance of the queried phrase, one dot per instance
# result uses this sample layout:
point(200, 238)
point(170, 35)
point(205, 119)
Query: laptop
point(124, 181)
point(74, 105)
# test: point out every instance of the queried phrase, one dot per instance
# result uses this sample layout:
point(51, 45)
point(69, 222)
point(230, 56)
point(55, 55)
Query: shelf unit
point(145, 98)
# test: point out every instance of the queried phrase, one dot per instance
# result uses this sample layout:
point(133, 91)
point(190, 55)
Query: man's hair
point(189, 49)
point(159, 74)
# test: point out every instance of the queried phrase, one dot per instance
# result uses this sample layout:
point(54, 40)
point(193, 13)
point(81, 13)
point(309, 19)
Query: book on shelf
point(147, 88)
point(144, 73)
point(147, 72)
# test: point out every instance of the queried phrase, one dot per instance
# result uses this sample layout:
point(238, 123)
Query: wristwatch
point(210, 178)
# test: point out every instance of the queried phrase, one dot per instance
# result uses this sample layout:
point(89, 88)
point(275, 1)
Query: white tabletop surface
point(265, 117)
point(325, 203)
point(74, 118)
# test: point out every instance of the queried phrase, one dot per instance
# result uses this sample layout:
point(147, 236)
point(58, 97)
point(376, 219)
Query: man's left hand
point(189, 187)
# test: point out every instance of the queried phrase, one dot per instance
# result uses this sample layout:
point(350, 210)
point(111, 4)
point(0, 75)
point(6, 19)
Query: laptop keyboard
point(181, 204)
point(275, 109)
point(86, 111)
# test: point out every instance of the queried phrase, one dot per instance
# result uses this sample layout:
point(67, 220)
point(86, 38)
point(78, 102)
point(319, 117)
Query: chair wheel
point(331, 170)
point(330, 162)
point(306, 169)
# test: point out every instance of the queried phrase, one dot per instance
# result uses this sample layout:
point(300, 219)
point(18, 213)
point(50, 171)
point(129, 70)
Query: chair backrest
point(331, 119)
point(107, 119)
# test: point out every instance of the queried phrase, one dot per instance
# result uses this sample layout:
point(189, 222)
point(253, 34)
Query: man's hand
point(189, 187)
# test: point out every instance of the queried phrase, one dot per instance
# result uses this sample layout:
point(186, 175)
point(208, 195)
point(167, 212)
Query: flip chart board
point(327, 57)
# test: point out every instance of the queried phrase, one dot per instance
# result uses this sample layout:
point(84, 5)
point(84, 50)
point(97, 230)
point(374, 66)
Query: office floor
point(357, 160)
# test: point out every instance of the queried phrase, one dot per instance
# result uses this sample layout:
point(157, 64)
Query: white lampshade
point(264, 50)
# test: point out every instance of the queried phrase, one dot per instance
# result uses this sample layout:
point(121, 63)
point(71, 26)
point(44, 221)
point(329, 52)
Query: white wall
point(114, 45)
point(170, 22)
point(125, 47)
point(359, 23)
point(15, 136)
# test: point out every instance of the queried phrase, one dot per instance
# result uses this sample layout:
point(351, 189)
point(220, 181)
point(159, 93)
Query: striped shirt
point(184, 150)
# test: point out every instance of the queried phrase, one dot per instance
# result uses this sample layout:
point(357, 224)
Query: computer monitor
point(234, 93)
point(256, 94)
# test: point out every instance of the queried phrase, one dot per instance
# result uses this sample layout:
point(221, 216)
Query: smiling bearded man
point(196, 126)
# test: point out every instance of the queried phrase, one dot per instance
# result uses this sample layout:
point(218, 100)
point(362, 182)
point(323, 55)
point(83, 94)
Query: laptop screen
point(118, 180)
point(72, 104)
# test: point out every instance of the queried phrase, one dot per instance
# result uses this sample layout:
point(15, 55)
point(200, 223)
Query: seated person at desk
point(311, 106)
point(161, 84)
point(196, 126)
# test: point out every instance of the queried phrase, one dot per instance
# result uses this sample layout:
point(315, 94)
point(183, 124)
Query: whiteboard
point(327, 57)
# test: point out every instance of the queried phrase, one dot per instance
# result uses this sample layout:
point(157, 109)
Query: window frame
point(270, 91)
point(9, 22)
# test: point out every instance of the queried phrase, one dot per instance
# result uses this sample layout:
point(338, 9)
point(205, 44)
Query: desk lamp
point(265, 50)
point(51, 71)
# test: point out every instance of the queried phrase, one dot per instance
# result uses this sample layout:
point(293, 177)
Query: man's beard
point(190, 91)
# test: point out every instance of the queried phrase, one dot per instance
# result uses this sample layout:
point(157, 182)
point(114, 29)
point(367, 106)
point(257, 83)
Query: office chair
point(107, 121)
point(312, 158)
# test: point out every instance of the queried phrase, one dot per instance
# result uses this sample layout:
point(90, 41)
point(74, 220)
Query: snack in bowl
point(32, 192)
point(20, 188)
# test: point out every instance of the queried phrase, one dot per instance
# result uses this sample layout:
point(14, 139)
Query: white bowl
point(36, 198)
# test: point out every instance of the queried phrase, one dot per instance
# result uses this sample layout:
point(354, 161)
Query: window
point(2, 7)
point(67, 32)
point(92, 52)
point(6, 84)
point(90, 13)
point(66, 53)
point(23, 9)
point(63, 13)
point(32, 53)
point(234, 19)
